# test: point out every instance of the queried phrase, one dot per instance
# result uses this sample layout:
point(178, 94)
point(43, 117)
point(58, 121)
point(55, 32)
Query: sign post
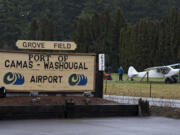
point(100, 75)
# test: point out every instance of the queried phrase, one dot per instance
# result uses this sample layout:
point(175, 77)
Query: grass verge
point(156, 88)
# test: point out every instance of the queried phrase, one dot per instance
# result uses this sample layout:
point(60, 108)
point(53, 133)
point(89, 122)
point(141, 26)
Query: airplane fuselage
point(151, 74)
point(166, 72)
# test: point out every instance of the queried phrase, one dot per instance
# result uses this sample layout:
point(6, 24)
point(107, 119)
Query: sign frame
point(57, 53)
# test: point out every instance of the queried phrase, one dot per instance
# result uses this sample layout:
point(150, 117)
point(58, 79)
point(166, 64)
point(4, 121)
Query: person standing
point(120, 72)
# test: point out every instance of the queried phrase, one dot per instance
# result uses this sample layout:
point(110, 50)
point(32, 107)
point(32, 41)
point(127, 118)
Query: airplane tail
point(132, 72)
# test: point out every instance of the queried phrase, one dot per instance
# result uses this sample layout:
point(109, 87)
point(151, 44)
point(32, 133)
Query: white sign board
point(22, 72)
point(45, 45)
point(101, 62)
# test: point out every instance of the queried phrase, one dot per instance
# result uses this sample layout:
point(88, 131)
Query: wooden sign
point(45, 45)
point(21, 71)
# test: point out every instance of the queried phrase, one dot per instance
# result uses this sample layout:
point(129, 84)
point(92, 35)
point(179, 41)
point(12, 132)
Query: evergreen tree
point(78, 35)
point(161, 44)
point(33, 31)
point(42, 31)
point(52, 32)
point(119, 23)
point(177, 34)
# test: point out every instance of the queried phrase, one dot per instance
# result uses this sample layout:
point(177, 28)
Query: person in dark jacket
point(120, 72)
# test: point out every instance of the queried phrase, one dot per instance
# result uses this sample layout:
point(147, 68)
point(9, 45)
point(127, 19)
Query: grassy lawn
point(141, 89)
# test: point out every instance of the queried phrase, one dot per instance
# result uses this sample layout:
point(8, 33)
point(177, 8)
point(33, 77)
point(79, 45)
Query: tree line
point(42, 30)
point(15, 15)
point(112, 27)
point(100, 33)
point(144, 44)
point(151, 43)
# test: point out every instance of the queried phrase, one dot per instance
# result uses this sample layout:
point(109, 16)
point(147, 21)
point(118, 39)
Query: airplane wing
point(155, 68)
point(160, 69)
point(174, 65)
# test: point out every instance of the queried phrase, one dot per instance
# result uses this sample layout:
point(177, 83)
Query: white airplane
point(168, 72)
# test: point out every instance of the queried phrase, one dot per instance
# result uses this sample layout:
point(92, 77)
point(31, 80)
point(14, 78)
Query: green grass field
point(141, 89)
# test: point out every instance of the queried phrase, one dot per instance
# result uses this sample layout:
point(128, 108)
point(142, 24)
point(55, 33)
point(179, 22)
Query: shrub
point(144, 107)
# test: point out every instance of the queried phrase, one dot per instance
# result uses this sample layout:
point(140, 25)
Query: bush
point(144, 108)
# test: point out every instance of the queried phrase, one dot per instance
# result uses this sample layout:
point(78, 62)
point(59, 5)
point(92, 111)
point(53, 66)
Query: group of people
point(120, 72)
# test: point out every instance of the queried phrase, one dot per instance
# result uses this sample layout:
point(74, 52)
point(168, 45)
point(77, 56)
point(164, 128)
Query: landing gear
point(174, 79)
point(167, 80)
point(171, 80)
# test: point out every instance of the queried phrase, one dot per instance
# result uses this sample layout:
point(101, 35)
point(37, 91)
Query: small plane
point(168, 72)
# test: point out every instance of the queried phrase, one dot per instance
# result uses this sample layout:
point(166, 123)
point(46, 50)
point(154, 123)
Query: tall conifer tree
point(33, 30)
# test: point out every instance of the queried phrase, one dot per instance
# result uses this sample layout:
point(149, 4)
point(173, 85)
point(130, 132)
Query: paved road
point(152, 101)
point(103, 126)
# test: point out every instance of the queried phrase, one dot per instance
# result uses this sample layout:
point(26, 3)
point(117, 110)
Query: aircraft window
point(158, 70)
point(164, 70)
point(176, 66)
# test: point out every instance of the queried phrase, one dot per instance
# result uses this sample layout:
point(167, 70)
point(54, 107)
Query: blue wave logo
point(77, 79)
point(13, 78)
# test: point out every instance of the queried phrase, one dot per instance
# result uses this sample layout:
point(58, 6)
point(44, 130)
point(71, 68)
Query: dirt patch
point(166, 112)
point(43, 100)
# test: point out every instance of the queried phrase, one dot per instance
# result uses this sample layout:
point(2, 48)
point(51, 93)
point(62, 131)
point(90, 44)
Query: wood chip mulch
point(44, 100)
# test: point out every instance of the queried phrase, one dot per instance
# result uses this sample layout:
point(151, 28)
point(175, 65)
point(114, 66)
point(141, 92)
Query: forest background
point(142, 33)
